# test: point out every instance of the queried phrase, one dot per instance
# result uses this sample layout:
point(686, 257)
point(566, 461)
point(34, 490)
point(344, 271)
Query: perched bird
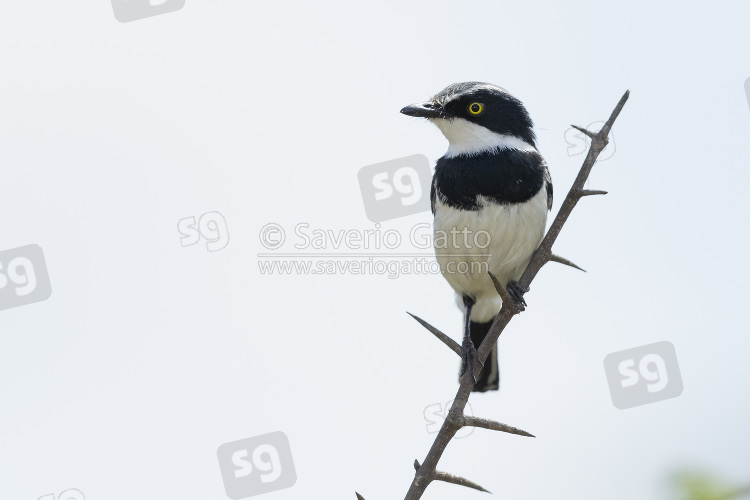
point(491, 191)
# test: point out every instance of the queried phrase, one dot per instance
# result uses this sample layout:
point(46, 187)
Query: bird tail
point(489, 378)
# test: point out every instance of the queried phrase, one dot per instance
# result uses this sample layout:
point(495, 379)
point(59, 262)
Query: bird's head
point(477, 117)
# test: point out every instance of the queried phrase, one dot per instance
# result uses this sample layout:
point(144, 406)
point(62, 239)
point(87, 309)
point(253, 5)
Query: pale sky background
point(148, 356)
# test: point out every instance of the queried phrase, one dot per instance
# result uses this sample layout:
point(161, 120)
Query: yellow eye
point(476, 108)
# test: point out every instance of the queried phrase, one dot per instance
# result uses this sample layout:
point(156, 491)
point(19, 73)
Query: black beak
point(424, 110)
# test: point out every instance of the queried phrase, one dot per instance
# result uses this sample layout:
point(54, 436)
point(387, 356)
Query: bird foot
point(470, 358)
point(516, 292)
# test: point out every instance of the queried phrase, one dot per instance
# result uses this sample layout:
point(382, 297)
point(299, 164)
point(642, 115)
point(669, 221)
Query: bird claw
point(516, 292)
point(469, 356)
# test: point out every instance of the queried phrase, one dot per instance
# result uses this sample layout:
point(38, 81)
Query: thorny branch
point(427, 471)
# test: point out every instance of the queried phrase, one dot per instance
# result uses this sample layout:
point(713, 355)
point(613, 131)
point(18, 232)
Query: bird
point(492, 187)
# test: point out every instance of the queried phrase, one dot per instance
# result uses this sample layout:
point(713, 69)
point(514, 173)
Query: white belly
point(498, 238)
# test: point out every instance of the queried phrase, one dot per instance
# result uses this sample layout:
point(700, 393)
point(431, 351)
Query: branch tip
point(615, 113)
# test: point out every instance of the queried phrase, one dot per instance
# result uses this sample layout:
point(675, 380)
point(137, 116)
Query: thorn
point(494, 426)
point(359, 497)
point(461, 481)
point(505, 296)
point(590, 192)
point(440, 335)
point(563, 260)
point(453, 479)
point(500, 288)
point(587, 132)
